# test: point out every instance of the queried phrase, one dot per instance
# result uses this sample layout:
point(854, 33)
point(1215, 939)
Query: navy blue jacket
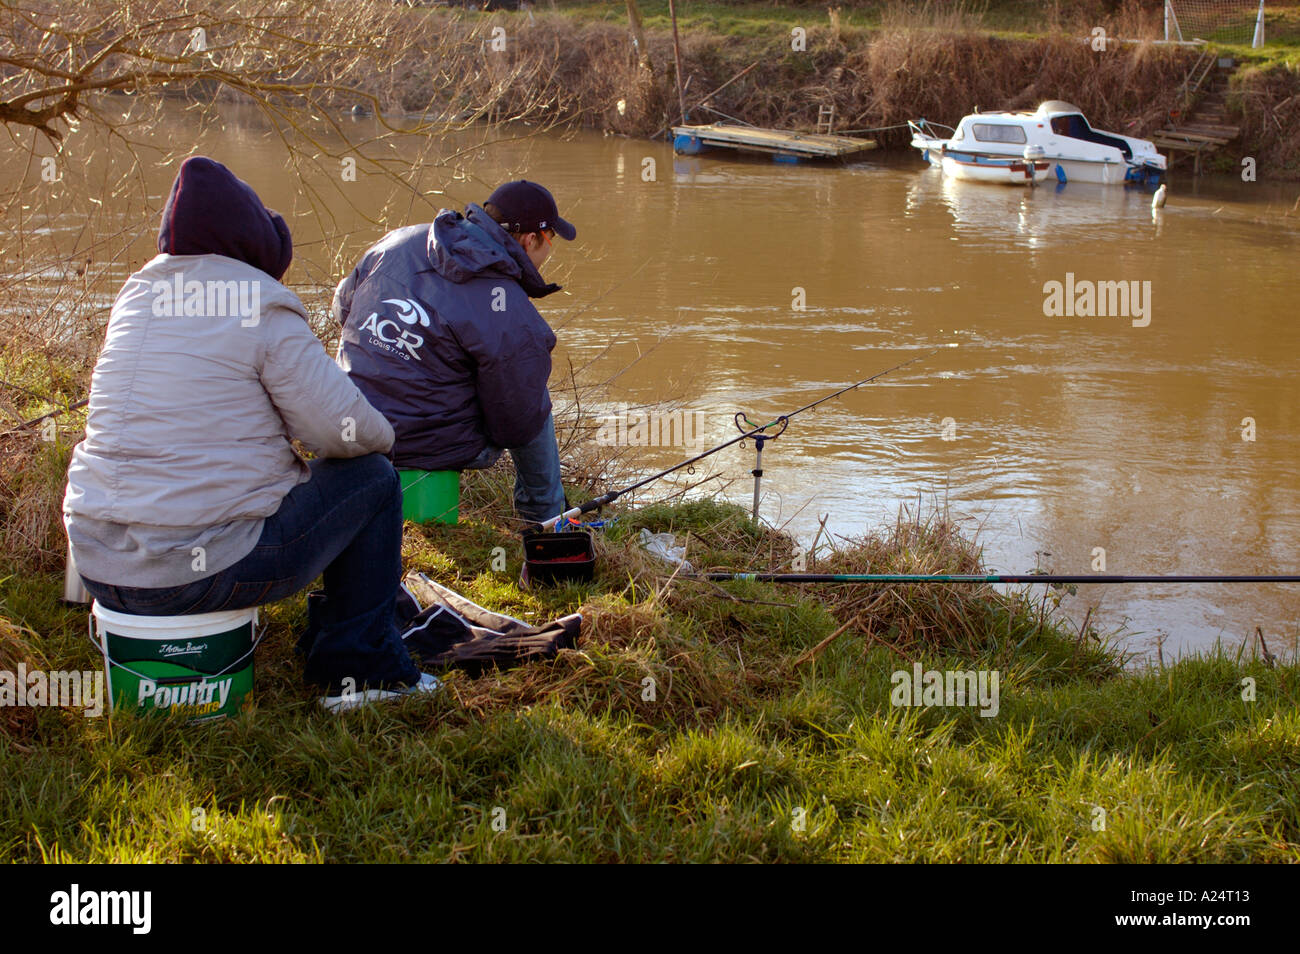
point(439, 334)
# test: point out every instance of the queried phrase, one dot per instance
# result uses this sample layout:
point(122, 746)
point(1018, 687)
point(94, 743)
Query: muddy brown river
point(1166, 434)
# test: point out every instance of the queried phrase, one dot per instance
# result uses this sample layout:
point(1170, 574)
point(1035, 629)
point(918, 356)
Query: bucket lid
point(196, 624)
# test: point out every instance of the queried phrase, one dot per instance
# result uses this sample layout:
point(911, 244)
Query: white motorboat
point(1023, 148)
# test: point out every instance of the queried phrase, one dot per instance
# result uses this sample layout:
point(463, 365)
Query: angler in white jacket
point(186, 495)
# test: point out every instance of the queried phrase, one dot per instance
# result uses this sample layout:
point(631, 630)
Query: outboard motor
point(1147, 176)
point(1033, 154)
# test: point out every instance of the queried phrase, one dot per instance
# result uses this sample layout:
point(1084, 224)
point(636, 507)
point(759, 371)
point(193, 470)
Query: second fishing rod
point(759, 433)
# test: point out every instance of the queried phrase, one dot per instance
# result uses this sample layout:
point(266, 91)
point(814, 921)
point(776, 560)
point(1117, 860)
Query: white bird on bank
point(1158, 201)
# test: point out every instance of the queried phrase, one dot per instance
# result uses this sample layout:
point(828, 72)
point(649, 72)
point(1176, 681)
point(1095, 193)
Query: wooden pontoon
point(778, 143)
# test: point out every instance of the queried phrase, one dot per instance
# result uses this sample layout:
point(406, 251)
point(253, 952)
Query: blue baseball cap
point(529, 207)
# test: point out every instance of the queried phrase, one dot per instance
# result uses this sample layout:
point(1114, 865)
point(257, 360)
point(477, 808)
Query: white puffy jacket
point(208, 369)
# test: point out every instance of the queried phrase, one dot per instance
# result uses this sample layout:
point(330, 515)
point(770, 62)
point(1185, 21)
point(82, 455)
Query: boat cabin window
point(998, 132)
point(1076, 127)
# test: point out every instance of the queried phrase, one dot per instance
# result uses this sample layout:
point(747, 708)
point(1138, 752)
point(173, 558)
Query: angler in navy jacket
point(440, 334)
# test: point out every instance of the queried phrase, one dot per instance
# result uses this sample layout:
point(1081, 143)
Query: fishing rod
point(757, 432)
point(1054, 579)
point(784, 421)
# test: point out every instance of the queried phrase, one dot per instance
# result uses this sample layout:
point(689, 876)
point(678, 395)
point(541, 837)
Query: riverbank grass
point(1005, 18)
point(693, 723)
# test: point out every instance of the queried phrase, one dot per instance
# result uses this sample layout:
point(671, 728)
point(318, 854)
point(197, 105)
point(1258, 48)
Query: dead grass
point(943, 77)
point(919, 618)
point(632, 659)
point(17, 648)
point(936, 60)
point(33, 475)
point(1268, 101)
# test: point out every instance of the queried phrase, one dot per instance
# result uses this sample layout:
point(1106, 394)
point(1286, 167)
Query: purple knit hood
point(212, 212)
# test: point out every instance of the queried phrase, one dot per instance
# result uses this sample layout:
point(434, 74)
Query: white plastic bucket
point(201, 665)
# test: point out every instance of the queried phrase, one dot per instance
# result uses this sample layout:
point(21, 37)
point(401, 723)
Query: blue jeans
point(538, 491)
point(345, 522)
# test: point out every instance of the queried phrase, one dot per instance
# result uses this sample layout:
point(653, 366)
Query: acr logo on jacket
point(390, 336)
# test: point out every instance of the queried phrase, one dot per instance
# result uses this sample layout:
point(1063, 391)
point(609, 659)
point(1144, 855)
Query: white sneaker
point(347, 701)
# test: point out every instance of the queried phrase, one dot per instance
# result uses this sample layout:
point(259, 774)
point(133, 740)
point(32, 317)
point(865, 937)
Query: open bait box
point(559, 557)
